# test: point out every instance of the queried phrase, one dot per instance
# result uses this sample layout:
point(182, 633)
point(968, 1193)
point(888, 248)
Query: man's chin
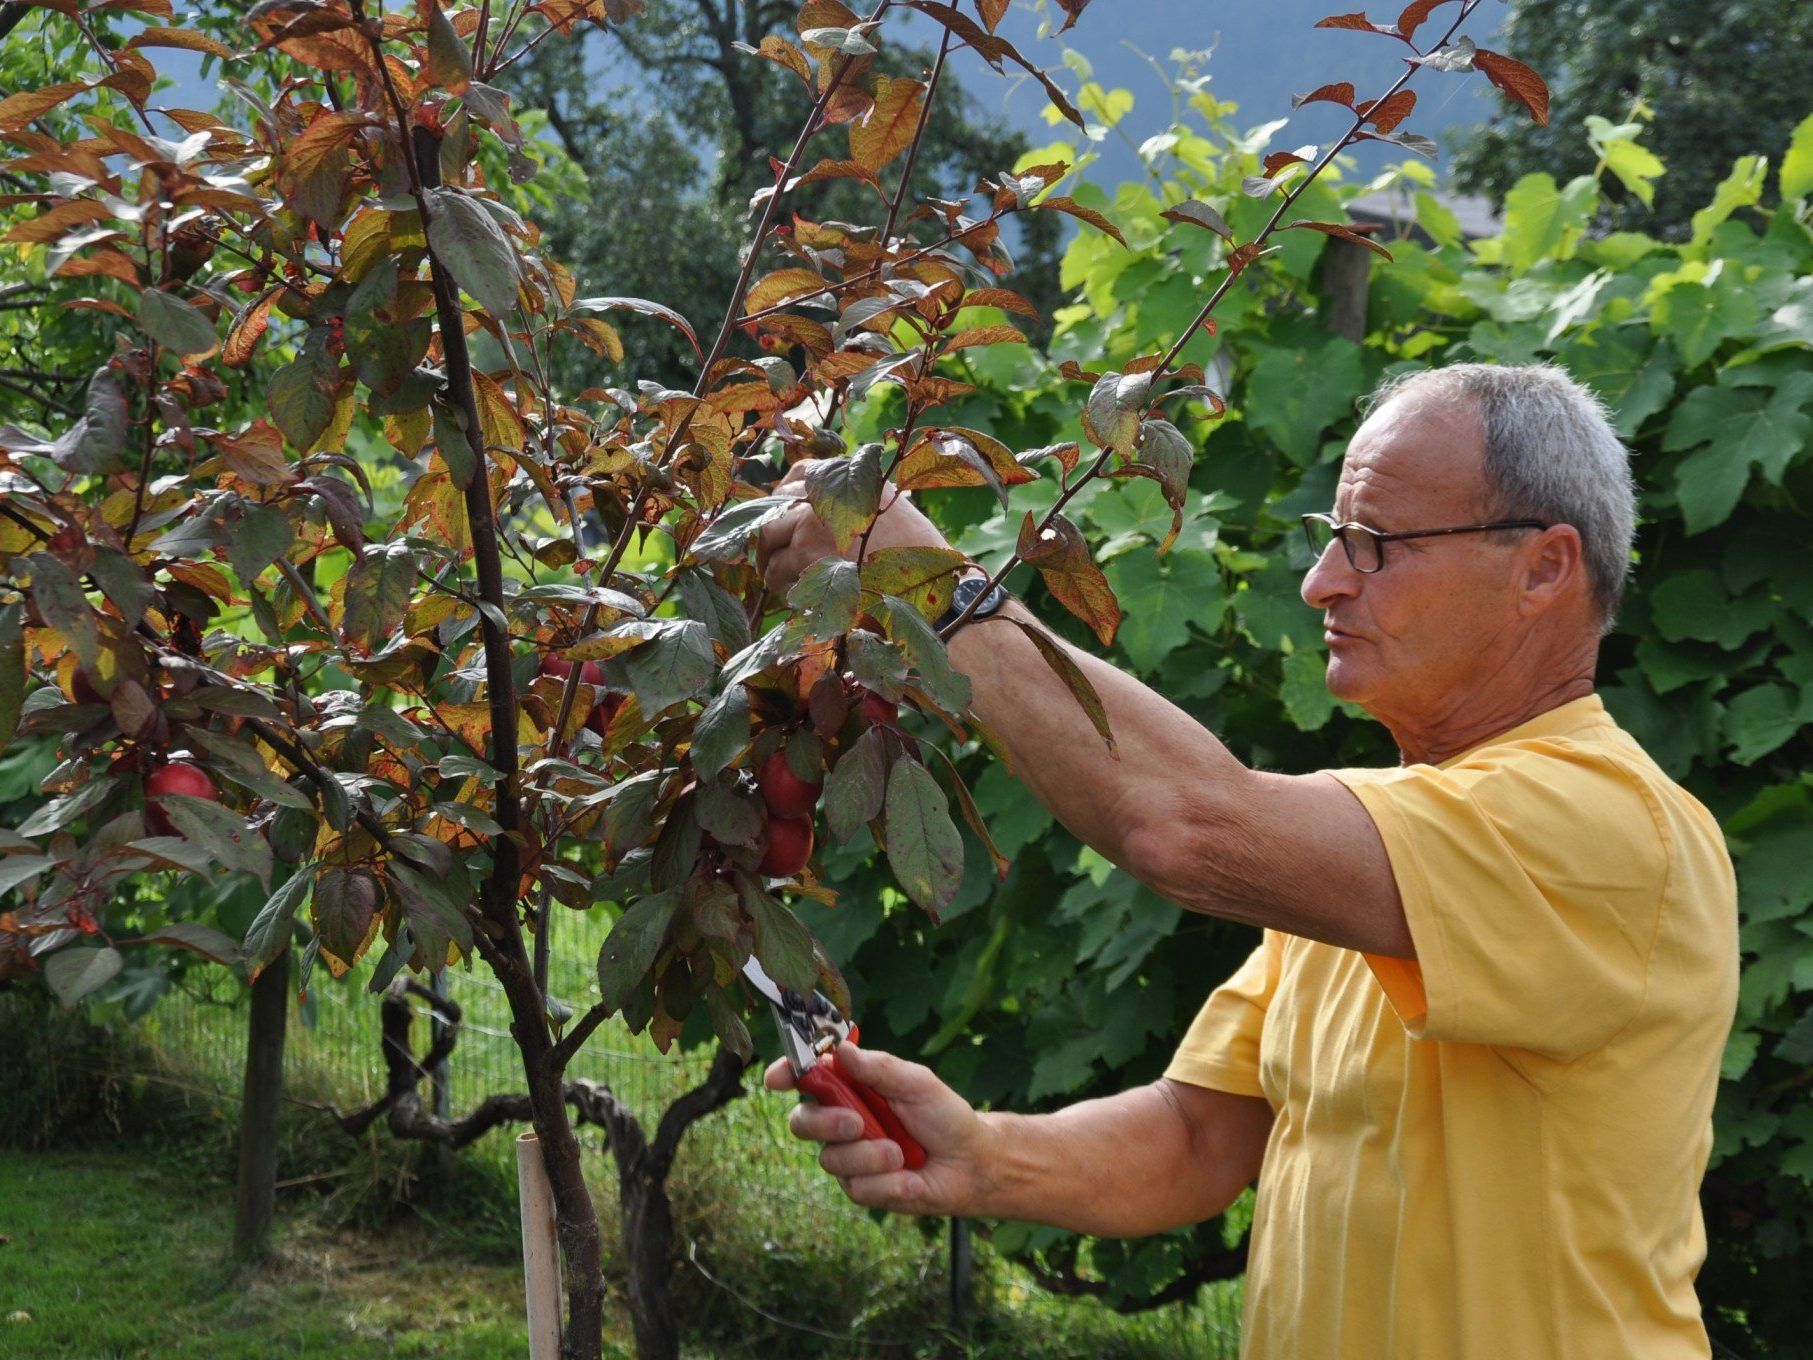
point(1348, 681)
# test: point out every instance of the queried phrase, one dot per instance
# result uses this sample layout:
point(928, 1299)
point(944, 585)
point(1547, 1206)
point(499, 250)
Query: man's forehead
point(1414, 454)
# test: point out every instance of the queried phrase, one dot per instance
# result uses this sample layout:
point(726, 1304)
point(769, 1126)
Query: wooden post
point(260, 1109)
point(1346, 278)
point(962, 1269)
point(540, 1250)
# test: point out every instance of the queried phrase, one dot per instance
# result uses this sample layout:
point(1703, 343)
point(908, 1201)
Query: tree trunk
point(260, 1111)
point(648, 1238)
point(1346, 280)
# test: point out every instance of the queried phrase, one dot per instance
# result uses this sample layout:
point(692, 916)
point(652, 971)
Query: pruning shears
point(811, 1028)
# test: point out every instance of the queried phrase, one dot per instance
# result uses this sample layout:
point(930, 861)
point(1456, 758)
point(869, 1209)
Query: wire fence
point(740, 1156)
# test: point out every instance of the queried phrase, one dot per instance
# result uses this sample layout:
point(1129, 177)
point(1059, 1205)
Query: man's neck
point(1451, 734)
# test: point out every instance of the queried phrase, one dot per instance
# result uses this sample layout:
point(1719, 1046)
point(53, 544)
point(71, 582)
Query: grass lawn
point(109, 1256)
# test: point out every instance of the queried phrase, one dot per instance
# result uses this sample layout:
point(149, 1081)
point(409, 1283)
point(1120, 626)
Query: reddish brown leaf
point(184, 38)
point(1339, 93)
point(1089, 215)
point(983, 335)
point(1061, 554)
point(16, 110)
point(783, 285)
point(1387, 114)
point(1345, 233)
point(1414, 14)
point(1516, 80)
point(1004, 298)
point(246, 330)
point(888, 127)
point(992, 10)
point(1354, 21)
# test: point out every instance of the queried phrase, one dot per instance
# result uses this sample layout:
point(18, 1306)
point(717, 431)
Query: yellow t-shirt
point(1494, 1152)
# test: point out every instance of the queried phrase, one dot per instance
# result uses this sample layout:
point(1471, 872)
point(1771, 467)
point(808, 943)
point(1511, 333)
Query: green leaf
point(346, 903)
point(96, 443)
point(722, 732)
point(1307, 701)
point(124, 582)
point(222, 832)
point(176, 324)
point(729, 535)
point(1160, 597)
point(1797, 166)
point(271, 930)
point(12, 670)
point(1775, 874)
point(466, 238)
point(781, 942)
point(1632, 375)
point(1742, 188)
point(1744, 427)
point(924, 847)
point(856, 786)
point(197, 938)
point(633, 945)
point(1300, 389)
point(731, 817)
point(64, 606)
point(829, 590)
point(434, 906)
point(302, 394)
point(676, 663)
point(74, 973)
point(1542, 220)
point(1694, 604)
point(1761, 719)
point(1163, 445)
point(449, 65)
point(261, 536)
point(1699, 319)
point(378, 590)
point(925, 653)
point(846, 492)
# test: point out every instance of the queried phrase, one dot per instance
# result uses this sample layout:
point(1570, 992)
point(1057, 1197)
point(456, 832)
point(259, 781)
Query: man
point(1472, 1063)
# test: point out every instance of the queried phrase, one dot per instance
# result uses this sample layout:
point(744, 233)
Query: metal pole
point(438, 1082)
point(962, 1269)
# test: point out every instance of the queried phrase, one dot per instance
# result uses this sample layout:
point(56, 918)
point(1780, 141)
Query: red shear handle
point(829, 1086)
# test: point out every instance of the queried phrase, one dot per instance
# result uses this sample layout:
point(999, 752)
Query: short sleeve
point(1221, 1049)
point(1532, 878)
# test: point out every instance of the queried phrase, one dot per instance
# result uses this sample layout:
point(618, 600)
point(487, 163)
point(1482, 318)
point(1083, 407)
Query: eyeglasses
point(1365, 548)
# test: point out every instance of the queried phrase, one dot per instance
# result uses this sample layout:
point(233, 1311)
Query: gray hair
point(1551, 454)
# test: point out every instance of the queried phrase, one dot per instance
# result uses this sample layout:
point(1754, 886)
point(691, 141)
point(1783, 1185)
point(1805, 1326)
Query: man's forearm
point(1165, 756)
point(1124, 1166)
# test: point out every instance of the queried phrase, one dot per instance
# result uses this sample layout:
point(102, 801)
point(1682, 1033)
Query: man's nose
point(1331, 578)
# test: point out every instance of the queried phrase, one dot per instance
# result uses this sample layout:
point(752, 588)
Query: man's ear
point(1553, 566)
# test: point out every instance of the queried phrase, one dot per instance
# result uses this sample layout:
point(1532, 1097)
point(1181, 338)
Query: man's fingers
point(866, 1157)
point(779, 1076)
point(824, 1123)
point(885, 1074)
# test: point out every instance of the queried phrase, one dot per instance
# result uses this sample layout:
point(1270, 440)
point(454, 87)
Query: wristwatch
point(968, 587)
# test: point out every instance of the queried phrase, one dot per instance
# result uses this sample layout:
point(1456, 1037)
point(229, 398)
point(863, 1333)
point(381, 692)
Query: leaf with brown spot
point(247, 329)
point(1517, 80)
point(1061, 555)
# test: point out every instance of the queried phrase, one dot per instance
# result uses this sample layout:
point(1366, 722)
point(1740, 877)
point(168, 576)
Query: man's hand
point(951, 1132)
point(794, 541)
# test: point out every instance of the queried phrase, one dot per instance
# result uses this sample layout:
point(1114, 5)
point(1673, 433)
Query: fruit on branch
point(787, 848)
point(604, 707)
point(785, 793)
point(880, 709)
point(179, 777)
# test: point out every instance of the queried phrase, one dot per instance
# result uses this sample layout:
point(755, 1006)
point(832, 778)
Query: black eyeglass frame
point(1338, 531)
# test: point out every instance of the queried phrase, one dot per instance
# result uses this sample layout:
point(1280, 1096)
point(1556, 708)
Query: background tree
point(1718, 84)
point(672, 125)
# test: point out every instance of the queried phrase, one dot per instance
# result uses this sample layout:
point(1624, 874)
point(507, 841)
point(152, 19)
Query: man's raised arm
point(1173, 807)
